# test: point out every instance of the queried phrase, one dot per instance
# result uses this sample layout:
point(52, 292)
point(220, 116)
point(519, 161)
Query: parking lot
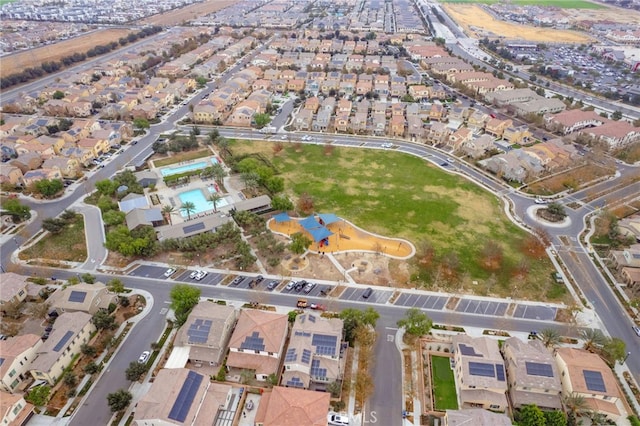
point(377, 296)
point(484, 307)
point(422, 301)
point(542, 313)
point(318, 291)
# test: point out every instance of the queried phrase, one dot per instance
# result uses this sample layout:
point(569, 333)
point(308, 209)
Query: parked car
point(636, 329)
point(309, 287)
point(144, 357)
point(259, 279)
point(367, 293)
point(318, 307)
point(169, 272)
point(302, 303)
point(272, 285)
point(337, 419)
point(300, 285)
point(193, 274)
point(201, 274)
point(237, 280)
point(290, 285)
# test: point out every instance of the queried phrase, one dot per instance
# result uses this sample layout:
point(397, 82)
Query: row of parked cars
point(298, 286)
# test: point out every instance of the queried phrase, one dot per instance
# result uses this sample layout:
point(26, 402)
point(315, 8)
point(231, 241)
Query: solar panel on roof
point(325, 344)
point(192, 228)
point(482, 369)
point(306, 356)
point(295, 382)
point(538, 369)
point(467, 350)
point(199, 331)
point(183, 402)
point(291, 355)
point(77, 296)
point(62, 342)
point(594, 381)
point(253, 342)
point(316, 371)
point(500, 372)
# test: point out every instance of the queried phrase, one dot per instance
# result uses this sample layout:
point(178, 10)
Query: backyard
point(400, 196)
point(444, 387)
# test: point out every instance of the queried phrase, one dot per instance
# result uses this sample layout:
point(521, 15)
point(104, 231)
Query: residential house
point(436, 112)
point(14, 288)
point(11, 175)
point(70, 331)
point(146, 178)
point(616, 134)
point(82, 297)
point(292, 407)
point(303, 120)
point(438, 133)
point(96, 146)
point(475, 416)
point(179, 396)
point(459, 138)
point(257, 342)
point(517, 134)
point(477, 147)
point(537, 106)
point(34, 176)
point(313, 357)
point(133, 201)
point(68, 167)
point(341, 121)
point(573, 120)
point(27, 161)
point(629, 258)
point(479, 373)
point(532, 374)
point(243, 113)
point(17, 353)
point(202, 340)
point(15, 410)
point(631, 277)
point(478, 120)
point(312, 103)
point(496, 127)
point(508, 97)
point(397, 126)
point(586, 375)
point(419, 92)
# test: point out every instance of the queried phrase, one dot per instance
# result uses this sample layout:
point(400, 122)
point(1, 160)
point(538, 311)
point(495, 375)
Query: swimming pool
point(200, 201)
point(168, 171)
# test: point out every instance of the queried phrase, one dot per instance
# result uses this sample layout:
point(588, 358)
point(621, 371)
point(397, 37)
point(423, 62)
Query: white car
point(386, 145)
point(337, 419)
point(193, 274)
point(144, 357)
point(451, 160)
point(169, 272)
point(201, 275)
point(539, 201)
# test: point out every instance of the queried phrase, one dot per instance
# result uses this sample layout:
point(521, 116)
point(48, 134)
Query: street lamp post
point(625, 358)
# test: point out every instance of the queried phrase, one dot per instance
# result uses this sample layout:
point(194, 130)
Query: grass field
point(444, 387)
point(563, 4)
point(69, 245)
point(397, 195)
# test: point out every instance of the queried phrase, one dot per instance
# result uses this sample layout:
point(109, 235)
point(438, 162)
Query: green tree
point(167, 211)
point(136, 370)
point(292, 315)
point(58, 94)
point(102, 320)
point(299, 243)
point(201, 81)
point(354, 318)
point(113, 217)
point(54, 225)
point(213, 136)
point(550, 337)
point(49, 187)
point(188, 207)
point(555, 418)
point(214, 199)
point(91, 368)
point(557, 209)
point(593, 338)
point(141, 123)
point(17, 211)
point(616, 115)
point(119, 400)
point(261, 120)
point(39, 396)
point(183, 298)
point(70, 379)
point(614, 349)
point(282, 203)
point(218, 172)
point(334, 388)
point(415, 322)
point(531, 415)
point(87, 350)
point(88, 278)
point(575, 404)
point(273, 379)
point(116, 286)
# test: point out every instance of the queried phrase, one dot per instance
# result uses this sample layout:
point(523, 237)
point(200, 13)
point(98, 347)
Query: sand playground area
point(345, 237)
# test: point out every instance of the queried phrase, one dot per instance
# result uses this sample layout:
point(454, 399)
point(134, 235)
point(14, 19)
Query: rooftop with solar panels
point(482, 363)
point(82, 297)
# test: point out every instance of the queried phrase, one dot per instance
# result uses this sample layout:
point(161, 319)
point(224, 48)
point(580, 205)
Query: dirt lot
point(180, 16)
point(573, 178)
point(479, 24)
point(34, 57)
point(610, 13)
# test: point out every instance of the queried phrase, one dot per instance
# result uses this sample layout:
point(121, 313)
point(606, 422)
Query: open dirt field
point(573, 178)
point(34, 57)
point(609, 13)
point(480, 24)
point(180, 16)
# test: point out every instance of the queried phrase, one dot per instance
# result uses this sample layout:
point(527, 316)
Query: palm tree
point(214, 199)
point(189, 208)
point(218, 173)
point(550, 337)
point(593, 338)
point(168, 211)
point(250, 180)
point(575, 404)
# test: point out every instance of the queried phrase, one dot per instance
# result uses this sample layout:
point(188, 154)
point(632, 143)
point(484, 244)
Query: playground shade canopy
point(282, 217)
point(309, 223)
point(328, 218)
point(319, 233)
